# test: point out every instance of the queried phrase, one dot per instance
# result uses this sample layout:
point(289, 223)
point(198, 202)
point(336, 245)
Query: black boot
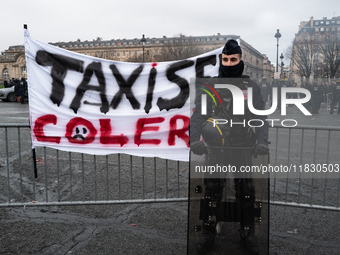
point(207, 239)
point(249, 240)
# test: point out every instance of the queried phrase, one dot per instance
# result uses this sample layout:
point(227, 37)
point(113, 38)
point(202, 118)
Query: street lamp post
point(143, 40)
point(277, 36)
point(281, 57)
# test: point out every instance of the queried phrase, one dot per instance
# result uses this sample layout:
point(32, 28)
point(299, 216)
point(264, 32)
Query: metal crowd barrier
point(53, 177)
point(56, 177)
point(304, 147)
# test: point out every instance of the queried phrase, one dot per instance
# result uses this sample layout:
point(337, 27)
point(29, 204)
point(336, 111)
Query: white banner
point(89, 105)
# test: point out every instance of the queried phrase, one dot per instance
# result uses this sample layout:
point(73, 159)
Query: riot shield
point(228, 211)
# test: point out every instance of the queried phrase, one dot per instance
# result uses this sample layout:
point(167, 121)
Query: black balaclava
point(231, 47)
point(231, 71)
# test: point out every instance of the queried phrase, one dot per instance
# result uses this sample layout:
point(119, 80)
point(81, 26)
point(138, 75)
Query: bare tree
point(329, 46)
point(179, 48)
point(301, 54)
point(176, 48)
point(319, 70)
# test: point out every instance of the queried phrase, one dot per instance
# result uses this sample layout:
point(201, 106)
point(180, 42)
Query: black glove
point(261, 149)
point(198, 147)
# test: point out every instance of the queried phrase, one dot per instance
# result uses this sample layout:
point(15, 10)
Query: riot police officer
point(315, 92)
point(294, 85)
point(335, 89)
point(237, 136)
point(265, 89)
point(281, 84)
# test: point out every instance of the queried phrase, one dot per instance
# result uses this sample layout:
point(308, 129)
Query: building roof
point(315, 24)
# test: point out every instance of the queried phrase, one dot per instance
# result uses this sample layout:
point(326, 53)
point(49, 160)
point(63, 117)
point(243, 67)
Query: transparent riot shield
point(228, 210)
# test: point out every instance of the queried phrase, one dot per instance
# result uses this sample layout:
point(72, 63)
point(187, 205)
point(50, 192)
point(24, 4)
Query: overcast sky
point(67, 20)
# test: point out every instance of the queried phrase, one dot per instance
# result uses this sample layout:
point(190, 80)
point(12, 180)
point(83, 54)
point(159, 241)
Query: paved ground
point(152, 228)
point(148, 229)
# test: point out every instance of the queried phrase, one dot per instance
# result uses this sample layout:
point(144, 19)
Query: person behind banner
point(231, 67)
point(6, 85)
point(12, 83)
point(22, 88)
point(335, 89)
point(17, 90)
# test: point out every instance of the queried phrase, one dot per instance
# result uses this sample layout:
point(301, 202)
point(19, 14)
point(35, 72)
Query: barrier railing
point(53, 177)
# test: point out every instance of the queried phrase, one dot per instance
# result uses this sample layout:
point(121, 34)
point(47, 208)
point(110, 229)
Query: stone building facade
point(13, 62)
point(315, 39)
point(257, 65)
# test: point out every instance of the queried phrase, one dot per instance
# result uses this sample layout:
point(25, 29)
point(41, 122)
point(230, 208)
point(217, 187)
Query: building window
point(23, 72)
point(322, 29)
point(316, 23)
point(316, 29)
point(304, 37)
point(5, 74)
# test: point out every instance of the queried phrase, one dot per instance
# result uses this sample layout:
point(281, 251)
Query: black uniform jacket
point(197, 119)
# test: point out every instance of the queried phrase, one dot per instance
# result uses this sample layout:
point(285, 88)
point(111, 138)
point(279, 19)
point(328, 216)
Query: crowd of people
point(20, 88)
point(321, 92)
